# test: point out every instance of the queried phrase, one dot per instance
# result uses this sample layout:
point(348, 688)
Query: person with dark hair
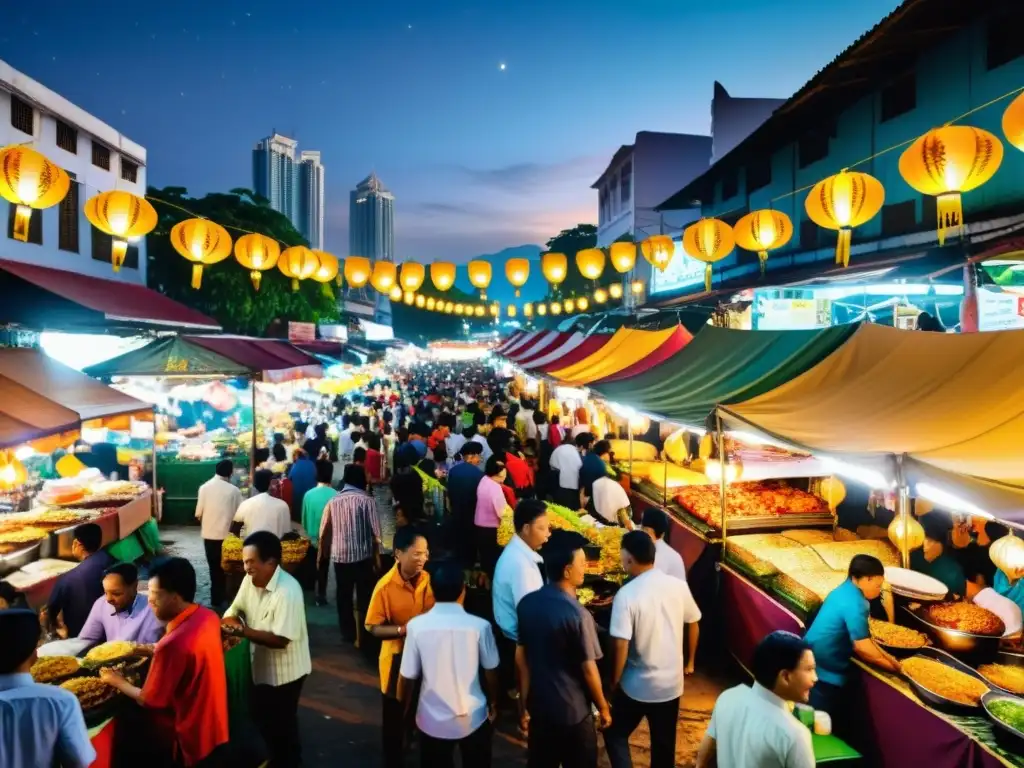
point(75, 592)
point(303, 477)
point(349, 537)
point(556, 656)
point(263, 512)
point(653, 617)
point(656, 524)
point(933, 559)
point(313, 507)
point(42, 724)
point(279, 450)
point(567, 461)
point(186, 689)
point(453, 711)
point(122, 613)
point(463, 480)
point(270, 612)
point(10, 597)
point(971, 540)
point(840, 630)
point(317, 443)
point(402, 594)
point(751, 725)
point(490, 506)
point(593, 468)
point(375, 465)
point(218, 502)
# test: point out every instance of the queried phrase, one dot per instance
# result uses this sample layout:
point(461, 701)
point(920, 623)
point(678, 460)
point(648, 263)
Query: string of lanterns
point(945, 162)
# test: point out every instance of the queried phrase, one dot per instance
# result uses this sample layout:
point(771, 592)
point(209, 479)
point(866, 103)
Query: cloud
point(522, 177)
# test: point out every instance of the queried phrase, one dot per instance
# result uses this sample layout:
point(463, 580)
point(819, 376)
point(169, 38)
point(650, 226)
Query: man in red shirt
point(186, 690)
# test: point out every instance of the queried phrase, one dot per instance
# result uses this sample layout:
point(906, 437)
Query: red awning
point(541, 347)
point(521, 343)
point(508, 342)
point(114, 300)
point(267, 355)
point(679, 339)
point(587, 347)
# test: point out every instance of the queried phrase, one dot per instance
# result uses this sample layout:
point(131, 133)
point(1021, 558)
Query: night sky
point(479, 157)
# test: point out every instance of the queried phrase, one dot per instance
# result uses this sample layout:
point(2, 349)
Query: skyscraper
point(311, 198)
point(371, 230)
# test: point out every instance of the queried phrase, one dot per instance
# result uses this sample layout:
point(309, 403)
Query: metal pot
point(980, 648)
point(1006, 734)
point(19, 558)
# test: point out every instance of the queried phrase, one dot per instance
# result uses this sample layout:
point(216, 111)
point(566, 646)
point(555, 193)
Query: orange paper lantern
point(299, 263)
point(763, 231)
point(844, 201)
point(480, 275)
point(123, 216)
point(412, 275)
point(29, 180)
point(590, 263)
point(442, 275)
point(1013, 123)
point(328, 269)
point(623, 256)
point(658, 250)
point(357, 271)
point(708, 240)
point(517, 272)
point(555, 267)
point(384, 276)
point(202, 242)
point(257, 253)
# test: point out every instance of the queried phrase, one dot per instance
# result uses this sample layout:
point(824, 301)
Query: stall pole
point(903, 510)
point(252, 448)
point(664, 461)
point(721, 480)
point(157, 514)
point(630, 432)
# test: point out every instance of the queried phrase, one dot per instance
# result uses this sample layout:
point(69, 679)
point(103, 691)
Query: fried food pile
point(294, 550)
point(896, 636)
point(116, 649)
point(91, 691)
point(50, 668)
point(1006, 676)
point(944, 680)
point(965, 617)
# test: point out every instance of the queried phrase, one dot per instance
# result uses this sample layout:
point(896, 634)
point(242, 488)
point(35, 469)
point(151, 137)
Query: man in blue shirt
point(463, 480)
point(840, 631)
point(595, 466)
point(39, 724)
point(75, 592)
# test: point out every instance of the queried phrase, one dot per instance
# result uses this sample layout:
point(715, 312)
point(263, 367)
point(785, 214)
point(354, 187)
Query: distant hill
point(501, 290)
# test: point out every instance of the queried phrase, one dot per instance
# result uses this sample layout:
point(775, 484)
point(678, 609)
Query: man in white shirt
point(567, 460)
point(667, 560)
point(751, 726)
point(650, 615)
point(269, 610)
point(478, 438)
point(263, 512)
point(215, 508)
point(446, 649)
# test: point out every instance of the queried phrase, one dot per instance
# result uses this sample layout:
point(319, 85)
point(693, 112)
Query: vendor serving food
point(122, 613)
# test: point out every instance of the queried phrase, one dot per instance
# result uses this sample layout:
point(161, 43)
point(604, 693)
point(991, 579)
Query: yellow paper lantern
point(328, 269)
point(409, 298)
point(257, 253)
point(357, 271)
point(528, 310)
point(913, 532)
point(495, 310)
point(542, 309)
point(600, 295)
point(448, 307)
point(569, 305)
point(123, 216)
point(384, 275)
point(511, 310)
point(590, 263)
point(832, 490)
point(12, 471)
point(479, 310)
point(582, 303)
point(480, 275)
point(708, 240)
point(763, 231)
point(421, 302)
point(202, 242)
point(1007, 553)
point(431, 303)
point(623, 256)
point(843, 201)
point(1013, 122)
point(637, 287)
point(556, 308)
point(947, 162)
point(658, 250)
point(442, 275)
point(517, 272)
point(412, 275)
point(298, 263)
point(396, 293)
point(615, 290)
point(459, 309)
point(555, 267)
point(29, 180)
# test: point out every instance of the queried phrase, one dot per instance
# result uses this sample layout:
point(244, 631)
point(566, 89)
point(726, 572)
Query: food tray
point(19, 558)
point(978, 648)
point(938, 701)
point(1007, 659)
point(1005, 733)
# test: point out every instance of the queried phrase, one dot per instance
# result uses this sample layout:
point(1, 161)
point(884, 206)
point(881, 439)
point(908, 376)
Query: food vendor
point(840, 631)
point(75, 591)
point(122, 613)
point(595, 466)
point(611, 503)
point(933, 560)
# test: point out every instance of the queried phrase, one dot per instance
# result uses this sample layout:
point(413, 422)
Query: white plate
point(911, 581)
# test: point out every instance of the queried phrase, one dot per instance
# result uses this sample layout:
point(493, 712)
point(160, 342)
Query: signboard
point(301, 333)
point(998, 311)
point(791, 314)
point(681, 272)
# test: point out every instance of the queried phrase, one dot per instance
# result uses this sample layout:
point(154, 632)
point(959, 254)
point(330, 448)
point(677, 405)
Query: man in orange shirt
point(186, 690)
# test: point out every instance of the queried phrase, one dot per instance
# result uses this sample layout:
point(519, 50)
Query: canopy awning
point(331, 352)
point(46, 298)
point(41, 397)
point(626, 347)
point(552, 341)
point(521, 343)
point(500, 349)
point(672, 346)
point(721, 366)
point(578, 347)
point(526, 350)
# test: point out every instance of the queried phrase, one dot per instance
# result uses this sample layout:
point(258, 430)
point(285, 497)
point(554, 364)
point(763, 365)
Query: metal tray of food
point(19, 558)
point(1006, 734)
point(980, 648)
point(938, 701)
point(1009, 660)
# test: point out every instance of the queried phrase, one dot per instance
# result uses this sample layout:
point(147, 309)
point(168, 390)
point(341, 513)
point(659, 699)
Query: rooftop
point(643, 137)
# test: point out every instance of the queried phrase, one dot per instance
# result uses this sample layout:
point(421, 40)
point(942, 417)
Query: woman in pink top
point(490, 505)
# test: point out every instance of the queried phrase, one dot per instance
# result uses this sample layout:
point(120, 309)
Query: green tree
point(569, 241)
point(227, 294)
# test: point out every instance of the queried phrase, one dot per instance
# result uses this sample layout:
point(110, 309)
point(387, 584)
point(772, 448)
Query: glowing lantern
point(569, 305)
point(1013, 123)
point(442, 275)
point(12, 472)
point(832, 490)
point(298, 263)
point(913, 532)
point(479, 311)
point(582, 303)
point(590, 263)
point(763, 231)
point(556, 308)
point(615, 290)
point(718, 470)
point(542, 309)
point(448, 306)
point(495, 310)
point(480, 275)
point(637, 287)
point(384, 275)
point(458, 309)
point(257, 253)
point(843, 201)
point(658, 250)
point(431, 303)
point(124, 217)
point(517, 272)
point(623, 256)
point(420, 301)
point(528, 310)
point(29, 180)
point(600, 295)
point(409, 298)
point(555, 267)
point(412, 275)
point(328, 269)
point(396, 293)
point(1007, 553)
point(639, 424)
point(357, 271)
point(511, 310)
point(708, 240)
point(202, 242)
point(948, 161)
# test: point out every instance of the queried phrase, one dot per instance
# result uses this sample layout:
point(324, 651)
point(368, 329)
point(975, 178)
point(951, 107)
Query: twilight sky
point(479, 157)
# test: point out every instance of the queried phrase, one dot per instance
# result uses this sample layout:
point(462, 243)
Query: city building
point(734, 118)
point(371, 233)
point(311, 198)
point(902, 78)
point(275, 174)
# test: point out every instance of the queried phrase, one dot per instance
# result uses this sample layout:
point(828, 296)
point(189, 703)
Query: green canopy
point(171, 356)
point(722, 366)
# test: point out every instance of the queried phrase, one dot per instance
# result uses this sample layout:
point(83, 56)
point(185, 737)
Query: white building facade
point(96, 157)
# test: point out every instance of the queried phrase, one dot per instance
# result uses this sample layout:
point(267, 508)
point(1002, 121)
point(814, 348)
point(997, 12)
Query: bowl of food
point(109, 653)
point(944, 683)
point(897, 640)
point(97, 699)
point(54, 670)
point(1006, 672)
point(961, 628)
point(1007, 715)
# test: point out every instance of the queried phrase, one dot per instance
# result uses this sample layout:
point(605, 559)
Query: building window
point(626, 183)
point(809, 234)
point(759, 174)
point(812, 147)
point(67, 137)
point(100, 156)
point(129, 170)
point(900, 96)
point(899, 218)
point(102, 247)
point(1003, 40)
point(22, 116)
point(730, 184)
point(35, 225)
point(67, 217)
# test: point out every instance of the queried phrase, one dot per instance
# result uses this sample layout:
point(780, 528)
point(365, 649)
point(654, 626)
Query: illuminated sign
point(681, 272)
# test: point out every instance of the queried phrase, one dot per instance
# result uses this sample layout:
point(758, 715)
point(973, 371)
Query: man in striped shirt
point(350, 536)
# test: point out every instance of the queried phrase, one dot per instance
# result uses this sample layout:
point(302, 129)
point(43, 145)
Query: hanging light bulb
point(615, 290)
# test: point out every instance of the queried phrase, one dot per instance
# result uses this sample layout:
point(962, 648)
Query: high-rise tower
point(371, 231)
